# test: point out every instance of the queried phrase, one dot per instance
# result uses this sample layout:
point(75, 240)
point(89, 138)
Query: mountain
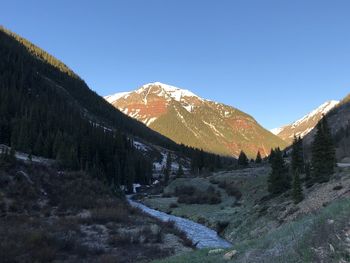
point(338, 119)
point(304, 125)
point(189, 119)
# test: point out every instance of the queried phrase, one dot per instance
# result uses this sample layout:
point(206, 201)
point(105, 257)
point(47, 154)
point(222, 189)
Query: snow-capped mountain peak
point(321, 110)
point(165, 90)
point(156, 88)
point(184, 117)
point(305, 124)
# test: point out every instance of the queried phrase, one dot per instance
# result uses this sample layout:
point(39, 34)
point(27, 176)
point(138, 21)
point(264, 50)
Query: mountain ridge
point(304, 125)
point(186, 118)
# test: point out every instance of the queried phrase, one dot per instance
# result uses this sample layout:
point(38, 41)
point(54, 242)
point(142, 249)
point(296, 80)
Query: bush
point(214, 181)
point(185, 190)
point(338, 187)
point(190, 195)
point(231, 189)
point(173, 205)
point(105, 215)
point(221, 226)
point(121, 239)
point(166, 195)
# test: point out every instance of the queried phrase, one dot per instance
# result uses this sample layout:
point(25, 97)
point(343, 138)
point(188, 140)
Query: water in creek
point(201, 235)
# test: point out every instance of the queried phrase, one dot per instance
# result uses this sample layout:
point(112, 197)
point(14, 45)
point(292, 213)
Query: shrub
point(173, 205)
point(166, 195)
point(231, 189)
point(185, 190)
point(338, 187)
point(214, 181)
point(221, 226)
point(189, 195)
point(105, 215)
point(120, 239)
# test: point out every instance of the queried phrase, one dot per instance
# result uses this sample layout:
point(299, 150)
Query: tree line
point(284, 177)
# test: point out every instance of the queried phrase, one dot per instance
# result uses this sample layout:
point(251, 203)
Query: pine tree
point(271, 156)
point(278, 181)
point(297, 162)
point(243, 159)
point(180, 171)
point(308, 178)
point(167, 169)
point(12, 156)
point(323, 153)
point(258, 158)
point(297, 189)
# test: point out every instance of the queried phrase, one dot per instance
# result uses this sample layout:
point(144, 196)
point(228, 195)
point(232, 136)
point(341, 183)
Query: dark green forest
point(47, 110)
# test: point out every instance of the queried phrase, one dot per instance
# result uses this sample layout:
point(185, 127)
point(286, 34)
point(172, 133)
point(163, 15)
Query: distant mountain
point(186, 118)
point(339, 123)
point(304, 125)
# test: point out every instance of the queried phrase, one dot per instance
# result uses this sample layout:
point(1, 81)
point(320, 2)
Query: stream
point(201, 235)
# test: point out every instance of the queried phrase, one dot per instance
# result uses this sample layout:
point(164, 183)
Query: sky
point(274, 59)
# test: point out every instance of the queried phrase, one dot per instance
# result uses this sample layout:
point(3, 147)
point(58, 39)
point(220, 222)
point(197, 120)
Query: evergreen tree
point(271, 156)
point(180, 171)
point(12, 155)
point(243, 159)
point(218, 163)
point(258, 158)
point(297, 155)
point(167, 169)
point(323, 153)
point(278, 181)
point(297, 189)
point(308, 178)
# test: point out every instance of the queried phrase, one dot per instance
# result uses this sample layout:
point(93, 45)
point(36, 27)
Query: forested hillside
point(47, 110)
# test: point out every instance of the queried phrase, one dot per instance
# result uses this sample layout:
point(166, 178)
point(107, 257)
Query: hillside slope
point(186, 118)
point(261, 227)
point(339, 122)
point(306, 124)
point(18, 53)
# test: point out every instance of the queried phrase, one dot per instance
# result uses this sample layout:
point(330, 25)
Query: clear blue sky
point(275, 60)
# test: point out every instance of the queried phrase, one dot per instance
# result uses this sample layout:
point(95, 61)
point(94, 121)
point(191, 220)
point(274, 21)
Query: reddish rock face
point(154, 108)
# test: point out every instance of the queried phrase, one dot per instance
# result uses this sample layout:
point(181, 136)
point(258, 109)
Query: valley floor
point(262, 228)
point(51, 215)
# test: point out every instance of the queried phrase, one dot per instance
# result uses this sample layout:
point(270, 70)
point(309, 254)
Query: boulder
point(229, 255)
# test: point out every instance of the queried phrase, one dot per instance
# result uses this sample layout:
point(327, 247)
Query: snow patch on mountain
point(172, 91)
point(116, 96)
point(168, 91)
point(216, 131)
point(276, 130)
point(149, 121)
